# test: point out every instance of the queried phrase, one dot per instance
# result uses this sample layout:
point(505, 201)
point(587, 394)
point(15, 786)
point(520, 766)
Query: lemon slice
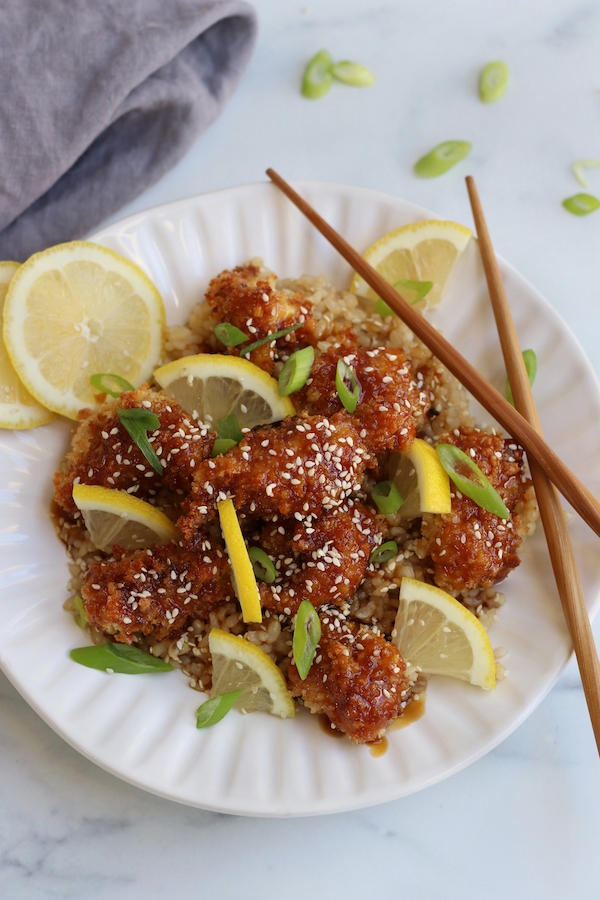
point(238, 664)
point(211, 386)
point(436, 633)
point(115, 517)
point(244, 581)
point(424, 251)
point(77, 310)
point(18, 409)
point(421, 481)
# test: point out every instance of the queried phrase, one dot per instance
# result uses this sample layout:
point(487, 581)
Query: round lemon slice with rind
point(421, 480)
point(423, 251)
point(211, 386)
point(240, 665)
point(18, 409)
point(115, 517)
point(73, 311)
point(244, 580)
point(439, 635)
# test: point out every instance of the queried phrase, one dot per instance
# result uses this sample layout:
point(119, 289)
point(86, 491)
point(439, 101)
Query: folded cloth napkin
point(99, 98)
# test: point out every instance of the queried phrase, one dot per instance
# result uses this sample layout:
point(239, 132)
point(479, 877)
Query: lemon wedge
point(18, 409)
point(77, 310)
point(421, 481)
point(211, 386)
point(244, 581)
point(423, 251)
point(239, 665)
point(115, 517)
point(436, 633)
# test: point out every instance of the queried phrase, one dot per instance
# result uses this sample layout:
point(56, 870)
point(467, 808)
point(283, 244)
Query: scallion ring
point(530, 361)
point(317, 76)
point(262, 565)
point(442, 158)
point(353, 73)
point(80, 615)
point(295, 372)
point(582, 164)
point(212, 711)
point(222, 445)
point(121, 384)
point(229, 335)
point(387, 498)
point(137, 422)
point(581, 204)
point(349, 396)
point(269, 338)
point(307, 634)
point(474, 485)
point(493, 81)
point(421, 289)
point(384, 553)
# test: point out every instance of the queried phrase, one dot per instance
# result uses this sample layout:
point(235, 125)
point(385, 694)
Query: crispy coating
point(254, 306)
point(301, 469)
point(104, 454)
point(390, 397)
point(471, 547)
point(158, 590)
point(323, 561)
point(357, 680)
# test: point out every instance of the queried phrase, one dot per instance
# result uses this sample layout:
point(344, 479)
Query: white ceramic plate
point(142, 728)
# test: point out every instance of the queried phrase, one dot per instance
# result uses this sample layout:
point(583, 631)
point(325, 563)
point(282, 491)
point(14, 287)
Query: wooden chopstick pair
point(522, 423)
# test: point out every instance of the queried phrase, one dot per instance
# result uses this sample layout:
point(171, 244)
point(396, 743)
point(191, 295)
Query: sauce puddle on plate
point(413, 712)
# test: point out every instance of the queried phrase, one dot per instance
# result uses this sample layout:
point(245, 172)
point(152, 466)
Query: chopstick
point(553, 520)
point(575, 492)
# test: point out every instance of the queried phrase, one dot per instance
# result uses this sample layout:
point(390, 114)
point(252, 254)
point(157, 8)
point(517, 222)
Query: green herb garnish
point(421, 288)
point(262, 565)
point(442, 158)
point(531, 366)
point(222, 445)
point(229, 334)
point(101, 382)
point(387, 498)
point(269, 338)
point(353, 73)
point(347, 386)
point(581, 204)
point(120, 658)
point(474, 484)
point(212, 711)
point(307, 634)
point(137, 422)
point(295, 372)
point(493, 81)
point(384, 553)
point(582, 164)
point(317, 76)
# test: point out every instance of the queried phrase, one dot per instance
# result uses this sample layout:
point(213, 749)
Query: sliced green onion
point(353, 73)
point(269, 338)
point(222, 445)
point(80, 616)
point(387, 498)
point(384, 553)
point(348, 395)
point(581, 204)
point(118, 384)
point(229, 334)
point(530, 361)
point(212, 711)
point(120, 658)
point(476, 486)
point(493, 81)
point(317, 76)
point(582, 164)
point(442, 158)
point(262, 565)
point(295, 372)
point(307, 634)
point(137, 422)
point(421, 288)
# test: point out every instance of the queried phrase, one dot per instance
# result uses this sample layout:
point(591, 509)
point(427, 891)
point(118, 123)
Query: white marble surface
point(523, 821)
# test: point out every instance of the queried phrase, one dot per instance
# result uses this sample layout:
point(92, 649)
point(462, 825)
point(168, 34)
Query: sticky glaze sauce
point(413, 713)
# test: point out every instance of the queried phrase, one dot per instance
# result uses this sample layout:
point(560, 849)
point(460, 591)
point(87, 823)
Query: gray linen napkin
point(99, 98)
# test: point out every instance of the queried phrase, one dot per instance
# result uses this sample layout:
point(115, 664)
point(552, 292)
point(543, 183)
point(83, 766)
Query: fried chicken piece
point(301, 468)
point(471, 547)
point(104, 454)
point(357, 680)
point(390, 397)
point(322, 562)
point(158, 590)
point(243, 298)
